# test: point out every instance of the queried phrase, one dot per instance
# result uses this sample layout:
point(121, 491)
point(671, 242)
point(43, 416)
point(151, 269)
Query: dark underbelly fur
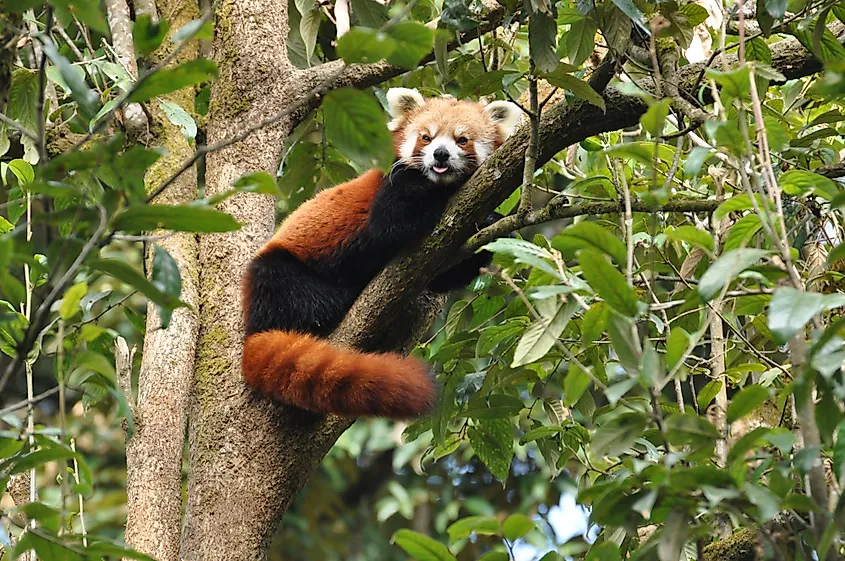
point(314, 296)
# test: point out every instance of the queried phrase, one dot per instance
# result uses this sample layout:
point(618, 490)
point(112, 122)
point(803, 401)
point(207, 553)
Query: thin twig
point(27, 402)
point(15, 125)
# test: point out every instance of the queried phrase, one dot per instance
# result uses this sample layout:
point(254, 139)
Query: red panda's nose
point(441, 155)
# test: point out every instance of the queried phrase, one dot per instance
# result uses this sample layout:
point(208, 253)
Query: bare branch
point(134, 117)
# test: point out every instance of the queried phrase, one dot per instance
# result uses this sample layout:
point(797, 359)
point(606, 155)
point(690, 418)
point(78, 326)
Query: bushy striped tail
point(313, 374)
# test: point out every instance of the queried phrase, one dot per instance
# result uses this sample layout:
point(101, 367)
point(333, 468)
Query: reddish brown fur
point(312, 374)
point(336, 214)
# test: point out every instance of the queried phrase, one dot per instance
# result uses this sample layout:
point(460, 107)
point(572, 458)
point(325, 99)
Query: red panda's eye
point(462, 141)
point(426, 138)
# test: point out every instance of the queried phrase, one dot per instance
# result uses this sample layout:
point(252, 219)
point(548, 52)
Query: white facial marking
point(483, 149)
point(406, 150)
point(460, 130)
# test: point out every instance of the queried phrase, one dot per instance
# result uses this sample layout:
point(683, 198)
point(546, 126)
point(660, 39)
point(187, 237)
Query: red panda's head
point(445, 138)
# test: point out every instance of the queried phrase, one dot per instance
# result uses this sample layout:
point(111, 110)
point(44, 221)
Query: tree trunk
point(154, 454)
point(243, 449)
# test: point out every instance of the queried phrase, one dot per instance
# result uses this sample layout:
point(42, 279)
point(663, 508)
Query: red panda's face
point(444, 138)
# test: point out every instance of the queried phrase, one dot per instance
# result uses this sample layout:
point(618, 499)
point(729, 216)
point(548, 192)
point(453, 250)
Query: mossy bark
point(154, 454)
point(9, 22)
point(246, 453)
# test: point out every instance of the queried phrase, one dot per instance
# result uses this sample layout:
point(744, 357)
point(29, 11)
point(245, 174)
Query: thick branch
point(367, 75)
point(496, 180)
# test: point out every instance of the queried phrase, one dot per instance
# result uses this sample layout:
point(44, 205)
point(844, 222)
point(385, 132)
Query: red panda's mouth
point(439, 169)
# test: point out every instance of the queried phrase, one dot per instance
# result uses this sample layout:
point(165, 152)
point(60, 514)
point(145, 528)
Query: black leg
point(461, 274)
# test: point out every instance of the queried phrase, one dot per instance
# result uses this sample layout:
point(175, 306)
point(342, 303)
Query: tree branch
point(558, 208)
point(366, 75)
point(561, 127)
point(121, 35)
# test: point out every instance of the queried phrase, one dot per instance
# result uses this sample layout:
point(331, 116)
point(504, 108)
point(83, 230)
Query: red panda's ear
point(402, 101)
point(506, 115)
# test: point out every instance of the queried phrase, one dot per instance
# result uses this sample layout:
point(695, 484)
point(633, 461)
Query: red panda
point(304, 280)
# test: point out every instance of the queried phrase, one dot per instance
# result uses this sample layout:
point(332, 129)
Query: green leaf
point(95, 362)
point(708, 393)
point(516, 526)
point(735, 82)
point(70, 303)
point(836, 254)
point(593, 323)
point(630, 9)
point(725, 268)
point(486, 83)
point(370, 13)
point(148, 34)
point(420, 547)
point(542, 35)
point(776, 8)
point(654, 119)
point(580, 40)
point(126, 273)
point(166, 278)
point(826, 47)
point(179, 218)
point(736, 204)
point(179, 117)
point(540, 433)
point(574, 385)
point(22, 108)
point(309, 27)
point(692, 235)
point(578, 87)
point(688, 429)
point(495, 556)
point(413, 42)
point(791, 309)
point(356, 125)
point(603, 551)
point(742, 232)
point(259, 182)
point(673, 537)
point(618, 435)
point(465, 527)
point(194, 29)
point(362, 45)
point(540, 337)
point(609, 283)
point(85, 98)
point(747, 400)
point(172, 79)
point(768, 504)
point(757, 49)
point(492, 440)
point(799, 182)
point(525, 252)
point(23, 172)
point(839, 452)
point(676, 346)
point(86, 11)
